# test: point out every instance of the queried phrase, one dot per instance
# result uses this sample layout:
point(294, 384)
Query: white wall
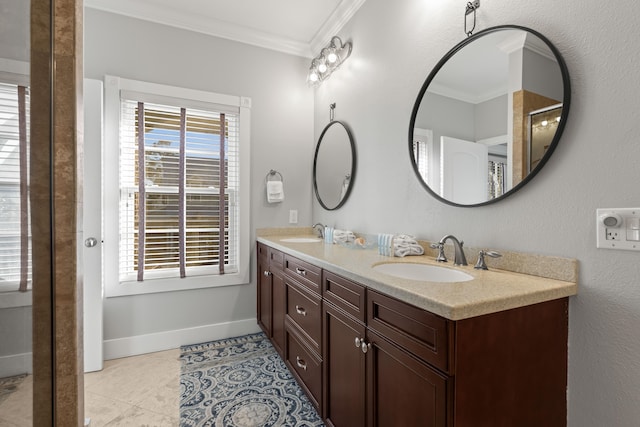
point(281, 130)
point(395, 45)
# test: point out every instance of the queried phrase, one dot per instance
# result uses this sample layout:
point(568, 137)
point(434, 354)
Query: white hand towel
point(275, 191)
point(343, 236)
point(404, 245)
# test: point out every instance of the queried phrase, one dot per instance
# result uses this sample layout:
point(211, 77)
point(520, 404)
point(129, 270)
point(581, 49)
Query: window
point(182, 219)
point(15, 232)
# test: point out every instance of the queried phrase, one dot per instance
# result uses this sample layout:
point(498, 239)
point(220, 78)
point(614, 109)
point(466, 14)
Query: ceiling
point(298, 27)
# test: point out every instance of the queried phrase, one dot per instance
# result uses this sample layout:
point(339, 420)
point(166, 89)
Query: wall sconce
point(330, 58)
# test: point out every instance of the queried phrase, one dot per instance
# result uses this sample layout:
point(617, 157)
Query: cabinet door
point(264, 294)
point(278, 310)
point(403, 391)
point(344, 369)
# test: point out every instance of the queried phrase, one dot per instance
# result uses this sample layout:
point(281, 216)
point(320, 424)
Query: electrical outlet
point(293, 216)
point(612, 234)
point(618, 228)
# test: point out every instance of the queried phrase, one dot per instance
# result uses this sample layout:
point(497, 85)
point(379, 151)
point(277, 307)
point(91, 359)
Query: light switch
point(618, 228)
point(633, 229)
point(293, 216)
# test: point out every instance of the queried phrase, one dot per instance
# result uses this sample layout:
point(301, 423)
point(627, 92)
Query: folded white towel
point(404, 249)
point(404, 245)
point(275, 191)
point(343, 236)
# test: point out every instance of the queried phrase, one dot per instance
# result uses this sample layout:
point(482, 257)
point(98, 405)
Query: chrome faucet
point(319, 230)
point(481, 264)
point(459, 258)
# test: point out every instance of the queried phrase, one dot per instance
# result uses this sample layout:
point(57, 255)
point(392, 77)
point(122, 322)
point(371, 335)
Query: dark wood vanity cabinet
point(271, 295)
point(371, 380)
point(303, 326)
point(368, 359)
point(343, 334)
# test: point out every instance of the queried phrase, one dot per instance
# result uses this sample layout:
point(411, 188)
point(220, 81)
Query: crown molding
point(334, 23)
point(145, 10)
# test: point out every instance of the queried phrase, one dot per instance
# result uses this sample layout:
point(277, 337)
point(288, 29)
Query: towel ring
point(273, 173)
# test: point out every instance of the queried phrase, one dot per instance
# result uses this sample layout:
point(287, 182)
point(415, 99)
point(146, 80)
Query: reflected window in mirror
point(15, 225)
point(334, 165)
point(422, 145)
point(478, 103)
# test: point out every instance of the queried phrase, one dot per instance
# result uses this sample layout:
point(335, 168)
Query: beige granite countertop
point(488, 292)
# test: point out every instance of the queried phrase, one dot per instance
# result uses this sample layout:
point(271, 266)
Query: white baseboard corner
point(16, 364)
point(167, 340)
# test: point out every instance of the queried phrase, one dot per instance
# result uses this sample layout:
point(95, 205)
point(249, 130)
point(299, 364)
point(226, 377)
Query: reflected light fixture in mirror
point(328, 60)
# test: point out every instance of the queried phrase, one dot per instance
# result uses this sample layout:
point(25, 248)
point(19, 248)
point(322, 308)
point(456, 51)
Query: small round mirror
point(489, 116)
point(334, 165)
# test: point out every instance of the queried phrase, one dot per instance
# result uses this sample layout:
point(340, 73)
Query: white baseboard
point(16, 364)
point(149, 343)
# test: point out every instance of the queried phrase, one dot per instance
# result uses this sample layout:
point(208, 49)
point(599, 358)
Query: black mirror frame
point(353, 165)
point(563, 117)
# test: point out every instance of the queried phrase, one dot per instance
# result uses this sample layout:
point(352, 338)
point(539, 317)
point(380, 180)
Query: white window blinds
point(15, 233)
point(179, 190)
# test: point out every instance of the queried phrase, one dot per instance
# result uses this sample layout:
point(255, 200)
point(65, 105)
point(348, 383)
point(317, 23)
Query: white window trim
point(113, 287)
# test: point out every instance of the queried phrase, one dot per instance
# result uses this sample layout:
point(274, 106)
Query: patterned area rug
point(240, 382)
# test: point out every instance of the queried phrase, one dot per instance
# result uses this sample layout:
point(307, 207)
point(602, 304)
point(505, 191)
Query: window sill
point(15, 299)
point(152, 286)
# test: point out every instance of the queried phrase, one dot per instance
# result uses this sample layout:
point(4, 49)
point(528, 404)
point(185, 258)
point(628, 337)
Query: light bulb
point(313, 76)
point(558, 119)
point(322, 67)
point(544, 123)
point(332, 57)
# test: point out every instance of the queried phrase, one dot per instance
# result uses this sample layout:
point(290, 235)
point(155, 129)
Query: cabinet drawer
point(304, 309)
point(306, 366)
point(345, 294)
point(422, 333)
point(307, 274)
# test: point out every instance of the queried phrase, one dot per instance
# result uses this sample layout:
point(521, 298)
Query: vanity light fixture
point(329, 58)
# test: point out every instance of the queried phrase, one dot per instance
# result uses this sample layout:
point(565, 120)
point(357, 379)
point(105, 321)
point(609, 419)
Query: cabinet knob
point(301, 311)
point(358, 342)
point(267, 273)
point(301, 271)
point(301, 363)
point(365, 347)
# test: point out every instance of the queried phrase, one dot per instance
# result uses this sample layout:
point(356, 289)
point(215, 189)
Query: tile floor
point(133, 391)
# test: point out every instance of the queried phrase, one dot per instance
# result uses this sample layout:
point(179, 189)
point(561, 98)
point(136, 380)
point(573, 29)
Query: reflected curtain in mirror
point(15, 228)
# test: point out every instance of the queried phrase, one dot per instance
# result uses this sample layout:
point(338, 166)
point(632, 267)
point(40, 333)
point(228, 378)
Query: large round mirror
point(334, 165)
point(489, 116)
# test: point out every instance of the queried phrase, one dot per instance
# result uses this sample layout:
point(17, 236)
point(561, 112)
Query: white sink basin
point(301, 240)
point(422, 272)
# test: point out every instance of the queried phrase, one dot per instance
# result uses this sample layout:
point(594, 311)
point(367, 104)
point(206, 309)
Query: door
point(92, 226)
point(464, 171)
point(278, 291)
point(398, 384)
point(264, 293)
point(344, 366)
